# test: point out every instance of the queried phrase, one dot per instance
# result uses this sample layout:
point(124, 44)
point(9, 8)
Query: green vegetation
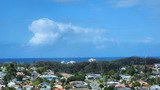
point(98, 66)
point(109, 88)
point(11, 73)
point(77, 77)
point(135, 67)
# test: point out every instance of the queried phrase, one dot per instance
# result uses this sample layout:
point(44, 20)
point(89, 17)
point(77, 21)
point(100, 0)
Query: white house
point(156, 69)
point(34, 75)
point(125, 77)
point(157, 65)
point(1, 86)
point(92, 60)
point(11, 84)
point(79, 84)
point(27, 87)
point(50, 77)
point(155, 87)
point(20, 68)
point(123, 68)
point(49, 72)
point(62, 62)
point(93, 76)
point(3, 69)
point(71, 62)
point(2, 76)
point(112, 83)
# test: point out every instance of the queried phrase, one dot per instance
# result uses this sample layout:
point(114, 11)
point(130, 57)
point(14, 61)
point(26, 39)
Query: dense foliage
point(97, 66)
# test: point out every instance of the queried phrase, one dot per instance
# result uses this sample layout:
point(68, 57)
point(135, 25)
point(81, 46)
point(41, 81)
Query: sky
point(79, 28)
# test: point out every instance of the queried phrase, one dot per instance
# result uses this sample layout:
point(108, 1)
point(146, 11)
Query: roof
point(125, 76)
point(120, 85)
point(58, 86)
point(155, 87)
point(34, 73)
point(10, 84)
point(44, 83)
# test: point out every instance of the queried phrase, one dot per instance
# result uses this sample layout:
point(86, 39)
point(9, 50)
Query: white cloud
point(47, 31)
point(43, 31)
point(153, 4)
point(124, 3)
point(149, 40)
point(65, 1)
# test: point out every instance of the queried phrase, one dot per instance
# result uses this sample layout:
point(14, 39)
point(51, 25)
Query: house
point(18, 87)
point(45, 86)
point(20, 69)
point(112, 83)
point(120, 86)
point(11, 84)
point(157, 65)
point(58, 87)
point(49, 72)
point(28, 87)
point(1, 86)
point(2, 74)
point(123, 68)
point(155, 87)
point(156, 71)
point(79, 84)
point(125, 77)
point(62, 62)
point(33, 68)
point(34, 75)
point(3, 69)
point(66, 75)
point(71, 62)
point(20, 74)
point(93, 76)
point(50, 77)
point(26, 78)
point(143, 83)
point(154, 76)
point(91, 60)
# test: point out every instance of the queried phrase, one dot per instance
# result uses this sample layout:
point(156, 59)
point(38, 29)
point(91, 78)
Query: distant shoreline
point(78, 59)
point(31, 60)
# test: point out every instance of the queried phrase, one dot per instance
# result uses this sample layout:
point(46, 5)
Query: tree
point(109, 88)
point(10, 74)
point(41, 69)
point(101, 86)
point(131, 71)
point(151, 81)
point(37, 81)
point(8, 88)
point(68, 87)
point(19, 77)
point(59, 75)
point(157, 80)
point(136, 84)
point(63, 81)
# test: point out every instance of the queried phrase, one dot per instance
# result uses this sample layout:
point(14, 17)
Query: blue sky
point(79, 28)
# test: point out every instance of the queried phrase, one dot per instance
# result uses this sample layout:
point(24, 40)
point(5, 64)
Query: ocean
point(31, 60)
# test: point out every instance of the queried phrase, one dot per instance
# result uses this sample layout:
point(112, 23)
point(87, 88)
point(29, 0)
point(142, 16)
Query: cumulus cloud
point(46, 31)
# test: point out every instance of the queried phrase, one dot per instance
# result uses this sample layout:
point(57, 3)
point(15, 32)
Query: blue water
point(30, 60)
